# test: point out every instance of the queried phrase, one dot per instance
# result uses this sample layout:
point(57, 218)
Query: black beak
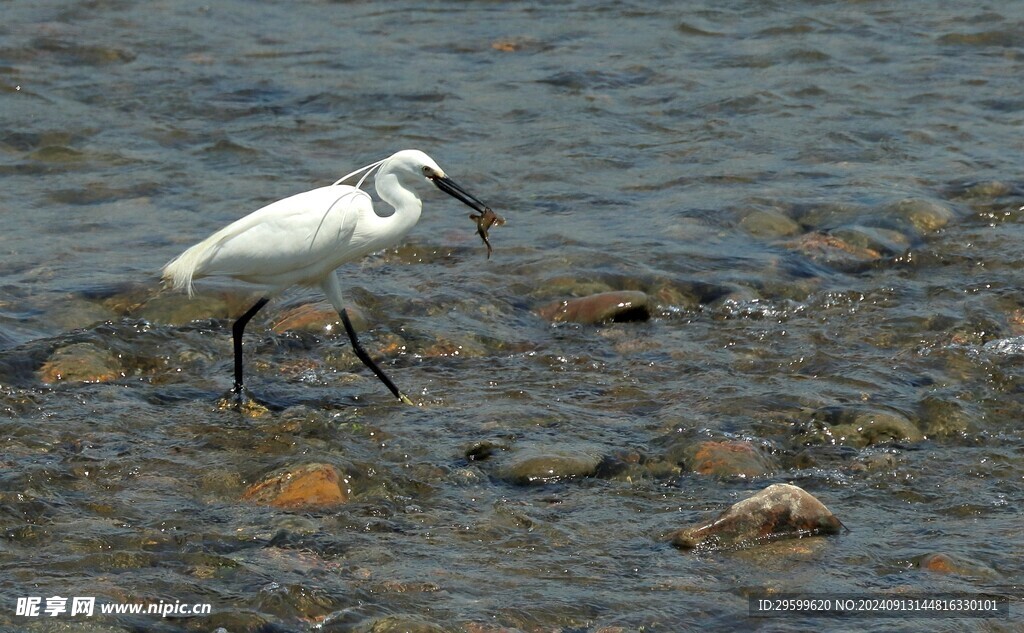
point(447, 185)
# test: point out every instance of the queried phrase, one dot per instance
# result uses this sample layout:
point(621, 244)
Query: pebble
point(617, 306)
point(305, 486)
point(777, 512)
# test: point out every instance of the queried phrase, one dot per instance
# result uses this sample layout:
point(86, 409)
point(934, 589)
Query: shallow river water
point(820, 200)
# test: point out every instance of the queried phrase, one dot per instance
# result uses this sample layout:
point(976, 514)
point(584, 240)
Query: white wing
point(294, 240)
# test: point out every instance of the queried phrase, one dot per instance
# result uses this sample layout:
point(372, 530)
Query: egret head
point(414, 161)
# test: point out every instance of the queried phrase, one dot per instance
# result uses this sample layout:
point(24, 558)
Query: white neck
point(382, 232)
point(392, 191)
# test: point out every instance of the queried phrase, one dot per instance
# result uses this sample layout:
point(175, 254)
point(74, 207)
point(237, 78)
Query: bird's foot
point(404, 398)
point(241, 400)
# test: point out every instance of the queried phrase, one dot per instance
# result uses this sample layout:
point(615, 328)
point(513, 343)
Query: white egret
point(302, 239)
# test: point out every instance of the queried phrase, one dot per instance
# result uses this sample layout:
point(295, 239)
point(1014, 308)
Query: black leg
point(236, 334)
point(363, 356)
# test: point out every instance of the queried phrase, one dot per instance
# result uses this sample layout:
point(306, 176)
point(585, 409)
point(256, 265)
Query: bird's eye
point(428, 171)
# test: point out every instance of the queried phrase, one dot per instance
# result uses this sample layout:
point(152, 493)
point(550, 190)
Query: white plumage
point(302, 239)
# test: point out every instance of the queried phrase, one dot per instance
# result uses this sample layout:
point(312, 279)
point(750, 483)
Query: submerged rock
point(872, 238)
point(547, 468)
point(618, 306)
point(863, 427)
point(941, 417)
point(308, 317)
point(317, 317)
point(777, 512)
point(923, 215)
point(82, 362)
point(985, 190)
point(175, 309)
point(484, 449)
point(309, 485)
point(399, 623)
point(727, 459)
point(944, 563)
point(834, 252)
point(769, 224)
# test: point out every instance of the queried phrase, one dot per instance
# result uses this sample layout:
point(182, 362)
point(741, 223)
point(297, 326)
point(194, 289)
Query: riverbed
point(820, 201)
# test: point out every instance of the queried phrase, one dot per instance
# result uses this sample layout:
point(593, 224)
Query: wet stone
point(293, 601)
point(946, 563)
point(572, 286)
point(875, 462)
point(735, 301)
point(1015, 321)
point(617, 306)
point(77, 313)
point(81, 362)
point(779, 511)
point(987, 190)
point(727, 459)
point(484, 449)
point(769, 224)
point(943, 418)
point(875, 239)
point(317, 317)
point(306, 486)
point(923, 215)
point(630, 465)
point(824, 216)
point(834, 252)
point(863, 427)
point(178, 309)
point(443, 347)
point(308, 317)
point(548, 468)
point(676, 298)
point(399, 623)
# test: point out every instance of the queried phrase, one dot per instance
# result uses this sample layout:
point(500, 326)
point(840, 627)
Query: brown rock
point(82, 362)
point(943, 563)
point(618, 306)
point(1016, 321)
point(727, 459)
point(317, 317)
point(833, 251)
point(777, 512)
point(309, 485)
